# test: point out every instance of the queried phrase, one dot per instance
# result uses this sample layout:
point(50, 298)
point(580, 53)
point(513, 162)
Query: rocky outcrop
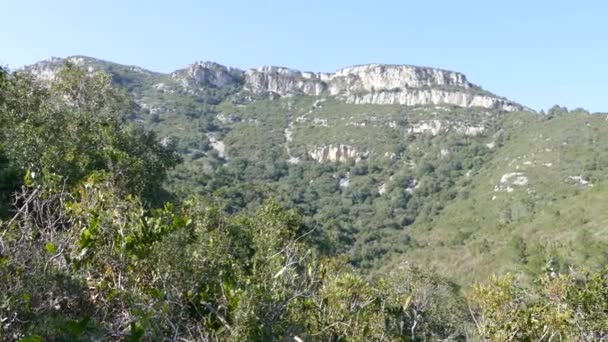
point(210, 74)
point(434, 127)
point(47, 70)
point(380, 84)
point(510, 180)
point(337, 153)
point(283, 81)
point(432, 97)
point(381, 76)
point(364, 84)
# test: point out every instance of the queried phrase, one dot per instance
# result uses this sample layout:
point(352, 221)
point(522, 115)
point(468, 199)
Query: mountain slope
point(539, 200)
point(390, 163)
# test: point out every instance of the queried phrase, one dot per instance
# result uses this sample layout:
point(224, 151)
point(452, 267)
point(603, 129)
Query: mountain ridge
point(359, 84)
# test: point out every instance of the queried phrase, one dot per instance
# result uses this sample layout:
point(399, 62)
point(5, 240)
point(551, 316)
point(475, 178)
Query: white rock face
point(509, 180)
point(382, 189)
point(413, 185)
point(378, 84)
point(339, 153)
point(364, 84)
point(581, 180)
point(283, 82)
point(391, 155)
point(212, 74)
point(380, 76)
point(44, 73)
point(429, 97)
point(434, 127)
point(216, 144)
point(47, 70)
point(320, 122)
point(344, 182)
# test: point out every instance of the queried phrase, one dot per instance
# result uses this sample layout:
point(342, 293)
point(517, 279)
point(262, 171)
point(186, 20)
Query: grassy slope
point(556, 217)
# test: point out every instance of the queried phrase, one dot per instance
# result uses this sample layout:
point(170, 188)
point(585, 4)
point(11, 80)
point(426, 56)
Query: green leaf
point(28, 180)
point(78, 328)
point(50, 247)
point(137, 332)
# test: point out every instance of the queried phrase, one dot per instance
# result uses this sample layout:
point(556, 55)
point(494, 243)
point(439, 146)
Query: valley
point(391, 164)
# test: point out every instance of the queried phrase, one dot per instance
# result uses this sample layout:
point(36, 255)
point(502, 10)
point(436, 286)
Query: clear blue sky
point(537, 52)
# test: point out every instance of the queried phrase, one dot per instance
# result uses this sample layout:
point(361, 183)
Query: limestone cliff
point(337, 153)
point(364, 84)
point(209, 74)
point(46, 70)
point(284, 81)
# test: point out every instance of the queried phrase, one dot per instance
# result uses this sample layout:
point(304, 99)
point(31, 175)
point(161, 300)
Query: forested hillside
point(145, 206)
point(468, 189)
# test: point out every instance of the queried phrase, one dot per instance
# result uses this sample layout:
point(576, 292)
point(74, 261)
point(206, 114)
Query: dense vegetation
point(439, 201)
point(433, 198)
point(87, 253)
point(94, 247)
